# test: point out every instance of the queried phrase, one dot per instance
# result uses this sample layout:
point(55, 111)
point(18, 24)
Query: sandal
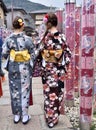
point(24, 120)
point(16, 118)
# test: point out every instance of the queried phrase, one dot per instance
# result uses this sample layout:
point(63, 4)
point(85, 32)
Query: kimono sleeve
point(67, 52)
point(6, 48)
point(31, 49)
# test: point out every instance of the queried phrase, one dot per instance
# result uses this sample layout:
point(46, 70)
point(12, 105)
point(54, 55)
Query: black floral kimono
point(53, 75)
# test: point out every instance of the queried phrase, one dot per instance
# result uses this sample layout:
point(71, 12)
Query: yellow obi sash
point(19, 56)
point(54, 56)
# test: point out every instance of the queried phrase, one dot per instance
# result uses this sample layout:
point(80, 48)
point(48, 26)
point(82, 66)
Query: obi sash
point(54, 56)
point(19, 56)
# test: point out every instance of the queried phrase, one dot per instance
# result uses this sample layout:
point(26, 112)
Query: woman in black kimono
point(55, 59)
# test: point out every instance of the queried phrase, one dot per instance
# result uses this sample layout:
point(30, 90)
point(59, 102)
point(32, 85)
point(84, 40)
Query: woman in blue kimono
point(55, 60)
point(18, 49)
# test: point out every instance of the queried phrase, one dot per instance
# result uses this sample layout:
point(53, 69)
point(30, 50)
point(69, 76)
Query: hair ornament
point(20, 22)
point(45, 19)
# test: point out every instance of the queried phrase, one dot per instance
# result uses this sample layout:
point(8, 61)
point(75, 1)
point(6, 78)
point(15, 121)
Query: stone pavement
point(37, 121)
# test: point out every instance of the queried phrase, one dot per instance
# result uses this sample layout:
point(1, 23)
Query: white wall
point(1, 17)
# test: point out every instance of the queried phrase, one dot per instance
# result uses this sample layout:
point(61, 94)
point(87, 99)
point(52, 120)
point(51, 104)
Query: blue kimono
point(1, 43)
point(19, 73)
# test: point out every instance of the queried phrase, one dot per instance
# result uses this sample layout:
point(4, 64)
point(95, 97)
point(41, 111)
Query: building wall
point(39, 15)
point(39, 19)
point(29, 21)
point(1, 16)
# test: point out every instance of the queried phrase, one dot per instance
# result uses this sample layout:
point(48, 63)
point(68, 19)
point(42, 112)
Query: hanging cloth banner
point(87, 62)
point(70, 36)
point(95, 66)
point(77, 49)
point(59, 14)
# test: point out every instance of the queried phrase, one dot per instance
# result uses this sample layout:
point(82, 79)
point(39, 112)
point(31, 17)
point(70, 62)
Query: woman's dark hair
point(18, 22)
point(52, 20)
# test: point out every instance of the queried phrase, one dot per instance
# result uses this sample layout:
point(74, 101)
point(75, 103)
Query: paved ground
point(37, 121)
